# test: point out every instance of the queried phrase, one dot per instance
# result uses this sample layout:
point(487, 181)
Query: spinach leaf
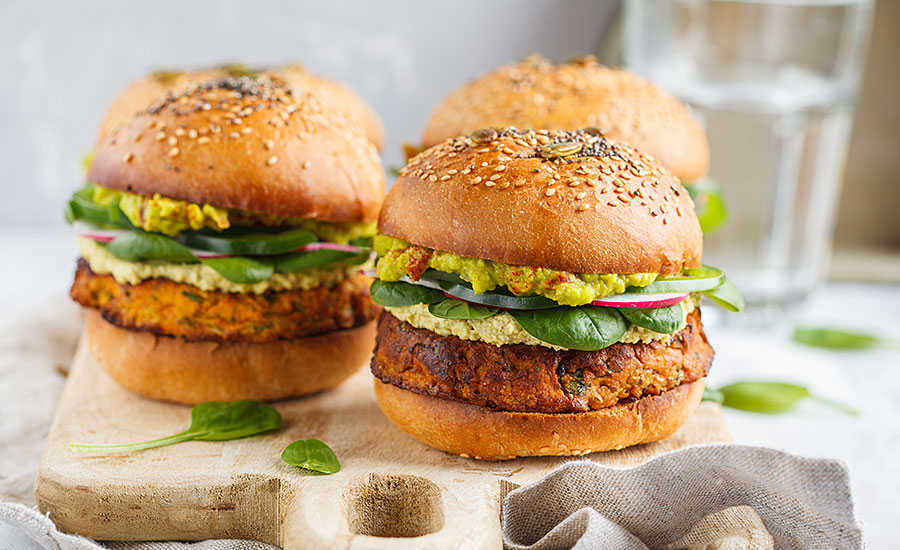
point(82, 207)
point(714, 396)
point(257, 244)
point(400, 294)
point(457, 309)
point(362, 242)
point(820, 337)
point(137, 246)
point(772, 397)
point(585, 328)
point(211, 421)
point(312, 455)
point(315, 258)
point(665, 320)
point(238, 269)
point(726, 295)
point(709, 204)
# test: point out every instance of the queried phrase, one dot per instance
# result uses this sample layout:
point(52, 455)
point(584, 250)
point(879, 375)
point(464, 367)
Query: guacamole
point(397, 258)
point(160, 214)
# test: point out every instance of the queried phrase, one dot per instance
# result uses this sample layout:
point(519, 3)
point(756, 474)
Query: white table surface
point(38, 268)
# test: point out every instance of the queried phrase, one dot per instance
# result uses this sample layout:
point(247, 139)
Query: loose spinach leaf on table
point(665, 320)
point(312, 455)
point(400, 294)
point(771, 397)
point(828, 338)
point(210, 421)
point(585, 328)
point(457, 309)
point(713, 396)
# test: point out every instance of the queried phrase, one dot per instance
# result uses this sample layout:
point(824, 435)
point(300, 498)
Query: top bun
point(570, 201)
point(334, 97)
point(534, 93)
point(248, 144)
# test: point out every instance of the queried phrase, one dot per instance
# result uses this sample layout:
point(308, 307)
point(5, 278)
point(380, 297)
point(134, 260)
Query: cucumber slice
point(691, 280)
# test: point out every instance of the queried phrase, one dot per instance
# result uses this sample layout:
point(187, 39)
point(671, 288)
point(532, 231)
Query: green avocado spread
point(397, 258)
point(160, 214)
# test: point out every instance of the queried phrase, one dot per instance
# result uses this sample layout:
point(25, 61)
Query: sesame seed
point(192, 133)
point(160, 136)
point(174, 151)
point(234, 135)
point(476, 180)
point(306, 164)
point(445, 177)
point(269, 144)
point(172, 141)
point(272, 160)
point(550, 192)
point(203, 140)
point(179, 131)
point(495, 177)
point(489, 183)
point(128, 157)
point(432, 178)
point(246, 130)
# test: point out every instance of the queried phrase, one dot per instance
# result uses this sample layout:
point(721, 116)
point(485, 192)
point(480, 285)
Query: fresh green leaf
point(713, 396)
point(709, 204)
point(211, 421)
point(665, 320)
point(315, 258)
point(726, 295)
point(138, 246)
point(241, 270)
point(772, 397)
point(400, 294)
point(820, 337)
point(457, 309)
point(312, 455)
point(585, 328)
point(258, 244)
point(362, 242)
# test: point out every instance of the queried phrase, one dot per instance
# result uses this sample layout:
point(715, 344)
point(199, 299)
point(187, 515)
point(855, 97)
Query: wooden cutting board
point(390, 486)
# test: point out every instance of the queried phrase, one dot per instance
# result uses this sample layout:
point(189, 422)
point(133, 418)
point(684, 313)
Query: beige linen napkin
point(687, 499)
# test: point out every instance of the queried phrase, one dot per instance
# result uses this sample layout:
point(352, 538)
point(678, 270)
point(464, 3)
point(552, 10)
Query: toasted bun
point(334, 97)
point(478, 432)
point(248, 144)
point(171, 369)
point(508, 196)
point(534, 93)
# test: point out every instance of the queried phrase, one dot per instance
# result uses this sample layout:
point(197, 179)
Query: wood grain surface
point(390, 486)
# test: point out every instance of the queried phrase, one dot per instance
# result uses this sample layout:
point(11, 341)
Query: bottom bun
point(478, 432)
point(172, 369)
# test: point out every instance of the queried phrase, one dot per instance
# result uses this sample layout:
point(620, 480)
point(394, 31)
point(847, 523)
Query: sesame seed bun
point(248, 144)
point(515, 197)
point(535, 93)
point(335, 98)
point(479, 432)
point(172, 369)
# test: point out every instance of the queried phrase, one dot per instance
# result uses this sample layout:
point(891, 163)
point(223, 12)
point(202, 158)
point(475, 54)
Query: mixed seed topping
point(580, 168)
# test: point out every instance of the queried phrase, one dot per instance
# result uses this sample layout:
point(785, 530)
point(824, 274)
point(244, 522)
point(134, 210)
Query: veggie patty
point(164, 307)
point(519, 377)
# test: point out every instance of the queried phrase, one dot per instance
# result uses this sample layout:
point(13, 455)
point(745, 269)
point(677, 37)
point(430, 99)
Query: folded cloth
point(686, 499)
point(24, 528)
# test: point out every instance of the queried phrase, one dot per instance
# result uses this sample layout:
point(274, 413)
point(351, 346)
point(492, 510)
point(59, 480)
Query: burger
point(333, 98)
point(535, 93)
point(222, 232)
point(542, 296)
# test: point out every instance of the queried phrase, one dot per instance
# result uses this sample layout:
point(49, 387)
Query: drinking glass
point(775, 82)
